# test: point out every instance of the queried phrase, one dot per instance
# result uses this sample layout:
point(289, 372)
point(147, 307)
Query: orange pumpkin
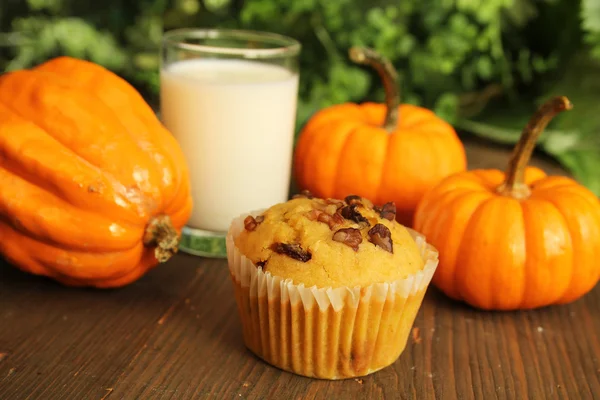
point(94, 189)
point(383, 152)
point(518, 240)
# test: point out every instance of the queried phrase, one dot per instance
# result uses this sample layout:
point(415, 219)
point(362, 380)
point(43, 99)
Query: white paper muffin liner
point(329, 333)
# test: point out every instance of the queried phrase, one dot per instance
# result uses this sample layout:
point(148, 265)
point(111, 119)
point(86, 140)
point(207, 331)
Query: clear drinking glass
point(229, 98)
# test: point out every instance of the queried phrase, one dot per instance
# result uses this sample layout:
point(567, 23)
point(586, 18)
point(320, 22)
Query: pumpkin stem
point(160, 233)
point(386, 71)
point(514, 184)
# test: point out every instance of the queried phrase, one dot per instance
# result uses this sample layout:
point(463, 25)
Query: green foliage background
point(484, 65)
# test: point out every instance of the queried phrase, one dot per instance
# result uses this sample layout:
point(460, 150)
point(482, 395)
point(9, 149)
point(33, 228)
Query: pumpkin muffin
point(327, 288)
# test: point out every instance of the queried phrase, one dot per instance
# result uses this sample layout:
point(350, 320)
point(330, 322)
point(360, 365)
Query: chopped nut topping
point(318, 215)
point(387, 211)
point(325, 218)
point(349, 236)
point(338, 203)
point(351, 213)
point(313, 215)
point(336, 219)
point(381, 236)
point(293, 250)
point(353, 199)
point(305, 193)
point(321, 216)
point(250, 223)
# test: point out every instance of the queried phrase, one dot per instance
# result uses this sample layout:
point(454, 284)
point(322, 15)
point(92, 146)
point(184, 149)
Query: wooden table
point(175, 334)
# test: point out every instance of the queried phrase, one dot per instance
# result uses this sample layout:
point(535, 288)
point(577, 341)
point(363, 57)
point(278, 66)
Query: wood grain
point(175, 334)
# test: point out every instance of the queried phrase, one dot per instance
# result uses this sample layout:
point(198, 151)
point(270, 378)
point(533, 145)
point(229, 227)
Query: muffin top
point(330, 243)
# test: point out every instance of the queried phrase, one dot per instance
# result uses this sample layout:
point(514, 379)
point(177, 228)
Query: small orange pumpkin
point(94, 190)
point(518, 240)
point(383, 152)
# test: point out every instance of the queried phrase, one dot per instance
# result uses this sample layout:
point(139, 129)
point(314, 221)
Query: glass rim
point(287, 46)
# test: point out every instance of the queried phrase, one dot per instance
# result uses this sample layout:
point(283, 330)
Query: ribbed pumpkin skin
point(344, 150)
point(84, 165)
point(497, 252)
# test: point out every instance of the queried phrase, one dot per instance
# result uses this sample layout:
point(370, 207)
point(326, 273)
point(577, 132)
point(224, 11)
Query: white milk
point(234, 120)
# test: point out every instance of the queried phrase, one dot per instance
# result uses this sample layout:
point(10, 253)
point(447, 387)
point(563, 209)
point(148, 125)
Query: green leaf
point(584, 165)
point(520, 12)
point(65, 36)
point(53, 6)
point(446, 107)
point(489, 131)
point(590, 15)
point(579, 148)
point(590, 22)
point(573, 137)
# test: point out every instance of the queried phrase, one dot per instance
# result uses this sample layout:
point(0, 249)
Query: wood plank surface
point(175, 334)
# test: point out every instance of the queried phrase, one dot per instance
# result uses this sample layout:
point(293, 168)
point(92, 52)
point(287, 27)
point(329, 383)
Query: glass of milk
point(229, 98)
